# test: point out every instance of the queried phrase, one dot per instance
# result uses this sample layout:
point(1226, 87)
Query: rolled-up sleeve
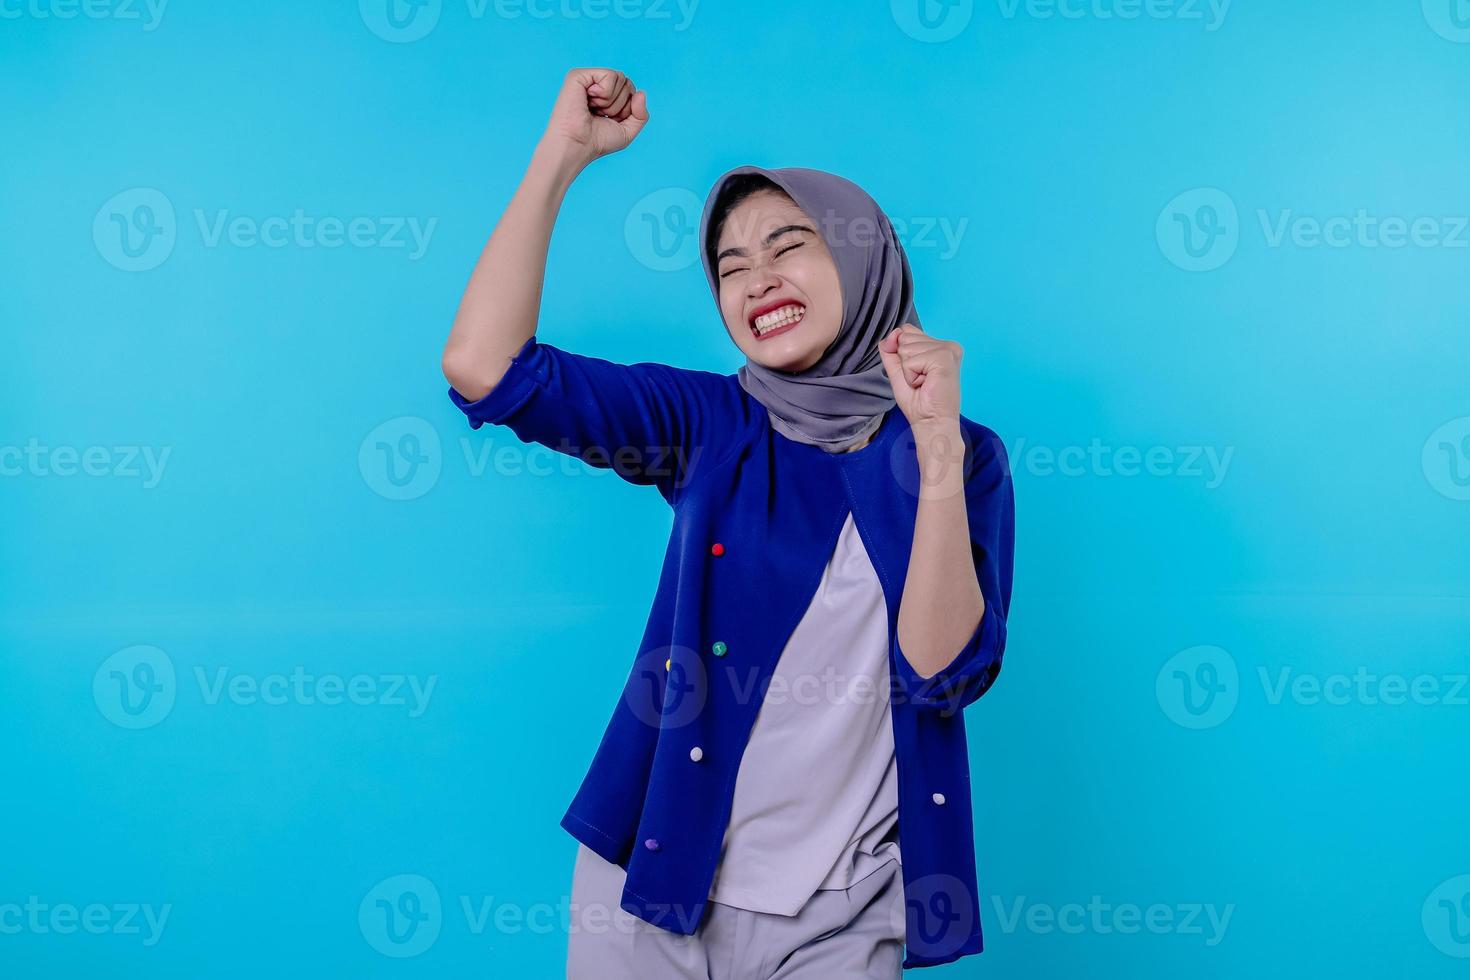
point(991, 512)
point(652, 424)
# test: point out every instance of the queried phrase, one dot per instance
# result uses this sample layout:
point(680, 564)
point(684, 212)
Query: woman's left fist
point(924, 373)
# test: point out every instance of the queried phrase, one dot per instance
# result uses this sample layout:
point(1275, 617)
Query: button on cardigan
point(816, 797)
point(777, 507)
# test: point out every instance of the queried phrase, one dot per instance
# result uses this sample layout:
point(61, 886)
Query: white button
point(696, 753)
point(939, 798)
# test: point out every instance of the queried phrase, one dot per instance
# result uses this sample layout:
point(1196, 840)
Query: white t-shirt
point(817, 790)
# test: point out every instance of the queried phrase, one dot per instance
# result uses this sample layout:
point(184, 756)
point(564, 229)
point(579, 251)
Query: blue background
point(1069, 156)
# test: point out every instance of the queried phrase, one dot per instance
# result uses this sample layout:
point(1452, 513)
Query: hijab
point(842, 398)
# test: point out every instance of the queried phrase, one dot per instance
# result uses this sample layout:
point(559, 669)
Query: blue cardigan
point(756, 517)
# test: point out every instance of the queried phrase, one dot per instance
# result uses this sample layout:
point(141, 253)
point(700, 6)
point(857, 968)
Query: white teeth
point(778, 318)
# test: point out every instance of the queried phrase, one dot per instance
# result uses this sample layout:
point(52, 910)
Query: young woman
point(783, 790)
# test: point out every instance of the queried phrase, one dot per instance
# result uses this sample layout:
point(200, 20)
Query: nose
point(761, 281)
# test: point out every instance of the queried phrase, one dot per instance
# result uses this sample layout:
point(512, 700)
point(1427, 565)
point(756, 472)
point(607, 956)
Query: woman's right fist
point(598, 111)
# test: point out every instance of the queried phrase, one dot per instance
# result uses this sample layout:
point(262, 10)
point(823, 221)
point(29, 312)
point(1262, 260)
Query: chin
point(788, 361)
point(788, 354)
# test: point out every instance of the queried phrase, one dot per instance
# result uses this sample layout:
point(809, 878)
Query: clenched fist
point(924, 373)
point(598, 111)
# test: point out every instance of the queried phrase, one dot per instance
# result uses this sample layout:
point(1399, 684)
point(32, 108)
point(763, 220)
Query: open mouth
point(780, 318)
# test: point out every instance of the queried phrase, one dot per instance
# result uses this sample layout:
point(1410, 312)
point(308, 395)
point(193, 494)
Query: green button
point(720, 649)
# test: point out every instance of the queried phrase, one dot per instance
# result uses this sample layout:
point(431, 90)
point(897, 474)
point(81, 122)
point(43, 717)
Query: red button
point(717, 549)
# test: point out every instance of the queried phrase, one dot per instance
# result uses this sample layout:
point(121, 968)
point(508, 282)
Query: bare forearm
point(597, 111)
point(501, 304)
point(942, 602)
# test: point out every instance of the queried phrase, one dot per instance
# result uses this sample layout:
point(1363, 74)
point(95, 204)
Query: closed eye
point(779, 252)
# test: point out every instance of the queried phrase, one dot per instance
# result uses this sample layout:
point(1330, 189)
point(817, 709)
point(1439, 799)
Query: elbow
point(467, 375)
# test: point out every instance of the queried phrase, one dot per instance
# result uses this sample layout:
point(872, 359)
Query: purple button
point(651, 844)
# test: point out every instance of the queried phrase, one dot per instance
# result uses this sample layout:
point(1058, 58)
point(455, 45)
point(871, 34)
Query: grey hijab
point(843, 397)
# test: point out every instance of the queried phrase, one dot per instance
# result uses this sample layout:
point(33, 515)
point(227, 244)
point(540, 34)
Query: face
point(779, 292)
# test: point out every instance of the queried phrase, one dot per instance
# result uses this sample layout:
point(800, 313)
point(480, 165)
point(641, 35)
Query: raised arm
point(652, 424)
point(598, 111)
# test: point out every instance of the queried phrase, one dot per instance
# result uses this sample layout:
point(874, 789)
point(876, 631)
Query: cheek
point(817, 279)
point(729, 308)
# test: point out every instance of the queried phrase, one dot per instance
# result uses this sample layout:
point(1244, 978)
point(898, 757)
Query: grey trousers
point(855, 932)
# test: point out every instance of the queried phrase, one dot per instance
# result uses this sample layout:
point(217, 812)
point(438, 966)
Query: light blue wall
point(190, 438)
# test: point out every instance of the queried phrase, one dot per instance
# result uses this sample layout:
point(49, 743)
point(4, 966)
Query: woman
point(783, 789)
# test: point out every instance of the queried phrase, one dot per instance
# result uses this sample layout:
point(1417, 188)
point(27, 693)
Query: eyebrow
point(768, 240)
